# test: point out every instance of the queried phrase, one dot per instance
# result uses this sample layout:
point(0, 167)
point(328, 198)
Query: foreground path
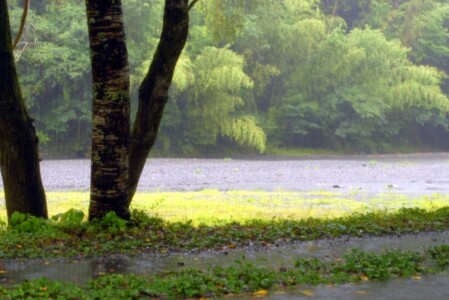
point(414, 174)
point(81, 271)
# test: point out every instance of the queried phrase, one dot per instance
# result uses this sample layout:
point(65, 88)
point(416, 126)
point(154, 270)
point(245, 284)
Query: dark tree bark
point(19, 158)
point(153, 92)
point(111, 116)
point(118, 156)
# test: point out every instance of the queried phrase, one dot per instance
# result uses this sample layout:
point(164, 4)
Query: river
point(413, 174)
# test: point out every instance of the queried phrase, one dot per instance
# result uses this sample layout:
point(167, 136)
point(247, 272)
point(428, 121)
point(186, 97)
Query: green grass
point(295, 152)
point(68, 235)
point(212, 207)
point(211, 219)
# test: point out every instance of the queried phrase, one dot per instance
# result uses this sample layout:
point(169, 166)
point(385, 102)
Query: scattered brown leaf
point(260, 293)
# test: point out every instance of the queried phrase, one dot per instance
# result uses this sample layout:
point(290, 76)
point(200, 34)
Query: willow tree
point(208, 94)
point(19, 158)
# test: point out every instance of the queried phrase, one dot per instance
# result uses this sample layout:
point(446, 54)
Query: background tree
point(19, 158)
point(209, 102)
point(266, 37)
point(286, 74)
point(53, 62)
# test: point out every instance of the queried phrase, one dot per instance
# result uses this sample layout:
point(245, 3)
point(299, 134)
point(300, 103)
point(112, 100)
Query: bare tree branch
point(22, 23)
point(192, 4)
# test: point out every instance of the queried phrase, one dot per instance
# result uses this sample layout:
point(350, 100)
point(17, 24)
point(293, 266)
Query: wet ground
point(416, 174)
point(408, 174)
point(284, 256)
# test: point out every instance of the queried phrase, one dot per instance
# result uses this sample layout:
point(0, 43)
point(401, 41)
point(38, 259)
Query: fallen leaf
point(308, 293)
point(312, 248)
point(280, 293)
point(416, 277)
point(232, 246)
point(361, 293)
point(260, 293)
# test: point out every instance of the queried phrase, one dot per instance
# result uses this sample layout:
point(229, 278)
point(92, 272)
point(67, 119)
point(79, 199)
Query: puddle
point(428, 287)
point(82, 271)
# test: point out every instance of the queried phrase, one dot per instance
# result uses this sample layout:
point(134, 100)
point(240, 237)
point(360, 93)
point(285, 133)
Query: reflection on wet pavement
point(427, 287)
point(82, 271)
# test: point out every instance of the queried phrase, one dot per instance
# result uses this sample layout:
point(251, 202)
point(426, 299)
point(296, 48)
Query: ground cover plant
point(223, 221)
point(242, 277)
point(68, 235)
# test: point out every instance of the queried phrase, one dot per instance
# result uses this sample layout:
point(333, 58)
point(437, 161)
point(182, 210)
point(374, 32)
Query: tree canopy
point(352, 74)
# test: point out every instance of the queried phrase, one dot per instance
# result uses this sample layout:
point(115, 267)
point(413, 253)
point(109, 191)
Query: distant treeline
point(347, 75)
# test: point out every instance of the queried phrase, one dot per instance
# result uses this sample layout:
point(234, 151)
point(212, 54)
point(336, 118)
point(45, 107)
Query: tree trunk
point(19, 157)
point(111, 120)
point(153, 92)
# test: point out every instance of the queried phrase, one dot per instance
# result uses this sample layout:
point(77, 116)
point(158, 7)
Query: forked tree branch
point(192, 4)
point(22, 23)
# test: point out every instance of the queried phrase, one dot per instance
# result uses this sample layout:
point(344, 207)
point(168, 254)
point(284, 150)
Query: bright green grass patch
point(299, 151)
point(212, 207)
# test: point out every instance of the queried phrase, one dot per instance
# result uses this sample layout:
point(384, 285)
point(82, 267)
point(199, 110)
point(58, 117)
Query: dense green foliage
point(352, 75)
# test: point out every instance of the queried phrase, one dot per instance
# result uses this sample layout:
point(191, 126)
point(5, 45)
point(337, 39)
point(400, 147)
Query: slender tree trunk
point(153, 92)
point(19, 158)
point(111, 120)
